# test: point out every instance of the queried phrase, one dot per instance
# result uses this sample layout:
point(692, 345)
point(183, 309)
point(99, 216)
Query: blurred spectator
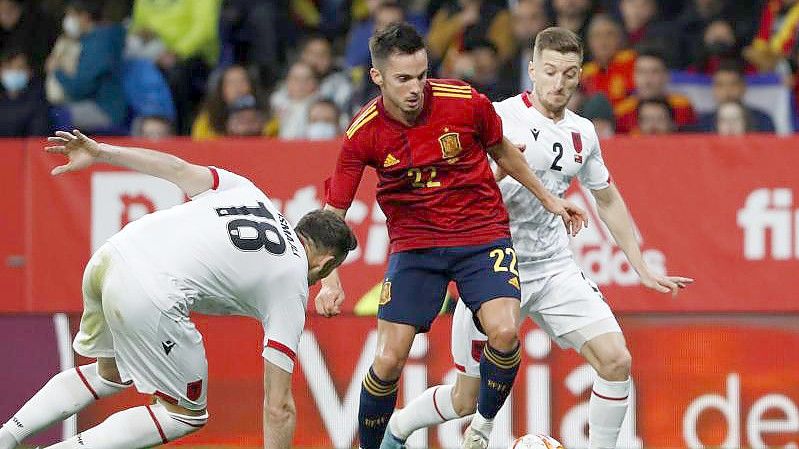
point(24, 26)
point(732, 119)
point(691, 23)
point(89, 86)
point(152, 127)
point(651, 80)
point(381, 14)
point(257, 33)
point(572, 15)
point(324, 121)
point(599, 110)
point(234, 82)
point(528, 18)
point(776, 36)
point(245, 118)
point(188, 30)
point(290, 103)
point(357, 55)
point(637, 17)
point(478, 65)
point(655, 116)
point(729, 85)
point(23, 108)
point(611, 69)
point(334, 84)
point(467, 21)
point(718, 45)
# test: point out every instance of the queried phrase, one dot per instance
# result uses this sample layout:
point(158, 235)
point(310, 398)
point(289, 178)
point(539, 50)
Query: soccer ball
point(532, 441)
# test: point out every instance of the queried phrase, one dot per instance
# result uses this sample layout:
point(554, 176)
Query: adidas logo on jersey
point(390, 161)
point(514, 281)
point(597, 254)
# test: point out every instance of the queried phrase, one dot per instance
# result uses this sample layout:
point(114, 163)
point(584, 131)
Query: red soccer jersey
point(435, 184)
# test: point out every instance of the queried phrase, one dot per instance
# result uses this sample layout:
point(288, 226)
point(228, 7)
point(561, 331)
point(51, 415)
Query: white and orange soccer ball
point(532, 441)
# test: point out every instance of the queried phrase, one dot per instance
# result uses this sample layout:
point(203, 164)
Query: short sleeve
point(489, 125)
point(341, 187)
point(224, 180)
point(594, 175)
point(284, 324)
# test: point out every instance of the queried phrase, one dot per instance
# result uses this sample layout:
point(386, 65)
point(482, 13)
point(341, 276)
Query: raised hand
point(80, 151)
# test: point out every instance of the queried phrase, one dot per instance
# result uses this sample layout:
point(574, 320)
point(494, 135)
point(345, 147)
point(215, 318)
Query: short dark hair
point(659, 101)
point(13, 52)
point(732, 66)
point(328, 232)
point(650, 52)
point(395, 38)
point(559, 39)
point(93, 7)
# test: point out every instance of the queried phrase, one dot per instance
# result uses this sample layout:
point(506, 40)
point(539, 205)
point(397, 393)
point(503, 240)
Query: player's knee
point(617, 366)
point(388, 365)
point(503, 338)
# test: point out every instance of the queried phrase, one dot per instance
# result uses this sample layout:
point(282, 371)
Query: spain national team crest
point(385, 293)
point(450, 146)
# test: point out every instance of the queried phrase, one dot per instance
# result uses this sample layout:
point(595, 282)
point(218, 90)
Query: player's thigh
point(414, 288)
point(571, 309)
point(94, 337)
point(467, 341)
point(162, 352)
point(282, 332)
point(487, 272)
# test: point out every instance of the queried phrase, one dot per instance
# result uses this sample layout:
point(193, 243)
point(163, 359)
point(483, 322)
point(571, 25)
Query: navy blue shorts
point(416, 281)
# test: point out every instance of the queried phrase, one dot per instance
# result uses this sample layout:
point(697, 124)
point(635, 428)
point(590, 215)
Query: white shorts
point(566, 305)
point(160, 351)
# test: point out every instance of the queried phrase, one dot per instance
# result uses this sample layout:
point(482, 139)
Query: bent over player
point(228, 251)
point(427, 139)
point(560, 145)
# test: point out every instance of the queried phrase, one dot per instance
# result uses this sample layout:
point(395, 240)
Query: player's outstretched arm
point(613, 211)
point(82, 152)
point(511, 161)
point(280, 415)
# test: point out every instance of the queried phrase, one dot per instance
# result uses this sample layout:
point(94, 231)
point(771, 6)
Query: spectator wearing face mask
point(718, 46)
point(290, 103)
point(25, 26)
point(23, 108)
point(152, 127)
point(324, 121)
point(90, 84)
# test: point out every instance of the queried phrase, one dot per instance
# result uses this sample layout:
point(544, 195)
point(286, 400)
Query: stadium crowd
point(299, 69)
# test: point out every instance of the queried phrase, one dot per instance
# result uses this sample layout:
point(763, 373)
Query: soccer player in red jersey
point(427, 139)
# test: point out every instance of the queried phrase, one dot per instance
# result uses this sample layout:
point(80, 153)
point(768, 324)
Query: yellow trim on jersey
point(443, 94)
point(625, 55)
point(363, 114)
point(357, 125)
point(450, 86)
point(452, 91)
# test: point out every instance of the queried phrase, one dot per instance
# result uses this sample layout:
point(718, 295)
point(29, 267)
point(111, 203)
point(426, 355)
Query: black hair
point(731, 65)
point(659, 101)
point(395, 38)
point(12, 52)
point(93, 7)
point(652, 52)
point(328, 232)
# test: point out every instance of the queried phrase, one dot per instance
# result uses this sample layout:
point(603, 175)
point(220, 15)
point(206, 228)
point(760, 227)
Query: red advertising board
point(705, 207)
point(699, 382)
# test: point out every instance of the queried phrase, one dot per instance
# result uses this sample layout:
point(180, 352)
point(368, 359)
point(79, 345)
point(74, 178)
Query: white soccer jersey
point(229, 251)
point(557, 152)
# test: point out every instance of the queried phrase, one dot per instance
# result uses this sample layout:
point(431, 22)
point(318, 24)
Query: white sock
point(606, 410)
point(432, 407)
point(136, 427)
point(482, 424)
point(62, 396)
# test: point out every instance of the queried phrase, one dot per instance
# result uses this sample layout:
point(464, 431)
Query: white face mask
point(71, 26)
point(14, 80)
point(321, 131)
